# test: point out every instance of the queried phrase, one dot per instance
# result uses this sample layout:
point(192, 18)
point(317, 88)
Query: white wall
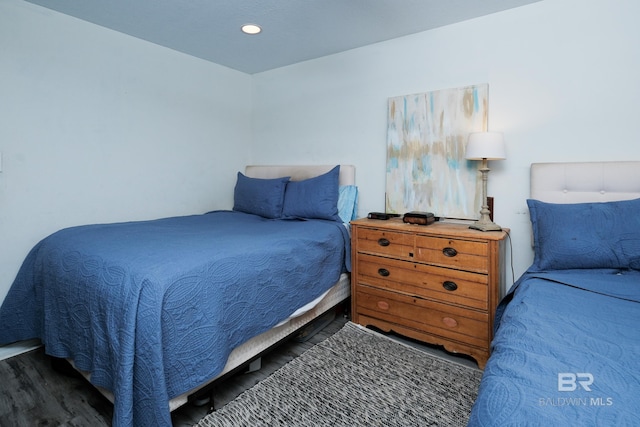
point(563, 86)
point(97, 126)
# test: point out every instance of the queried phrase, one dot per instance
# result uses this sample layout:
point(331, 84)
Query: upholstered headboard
point(300, 172)
point(583, 182)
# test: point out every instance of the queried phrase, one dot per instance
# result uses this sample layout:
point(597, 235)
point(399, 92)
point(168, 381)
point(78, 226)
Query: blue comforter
point(565, 352)
point(152, 309)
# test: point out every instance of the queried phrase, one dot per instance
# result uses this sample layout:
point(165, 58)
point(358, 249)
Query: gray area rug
point(357, 377)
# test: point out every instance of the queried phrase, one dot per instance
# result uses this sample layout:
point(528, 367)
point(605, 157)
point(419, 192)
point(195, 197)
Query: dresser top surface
point(438, 228)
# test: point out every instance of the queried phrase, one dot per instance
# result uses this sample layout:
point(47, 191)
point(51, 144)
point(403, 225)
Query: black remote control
point(382, 215)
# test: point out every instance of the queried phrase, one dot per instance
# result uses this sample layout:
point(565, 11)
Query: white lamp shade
point(486, 145)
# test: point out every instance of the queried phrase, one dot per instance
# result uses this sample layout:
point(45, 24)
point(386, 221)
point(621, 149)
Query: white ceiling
point(293, 30)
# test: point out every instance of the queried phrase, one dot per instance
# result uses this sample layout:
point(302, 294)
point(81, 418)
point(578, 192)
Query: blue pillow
point(586, 235)
point(313, 198)
point(264, 197)
point(347, 202)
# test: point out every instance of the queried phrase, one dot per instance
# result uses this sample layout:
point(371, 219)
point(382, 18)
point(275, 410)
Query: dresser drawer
point(389, 243)
point(451, 322)
point(425, 281)
point(461, 254)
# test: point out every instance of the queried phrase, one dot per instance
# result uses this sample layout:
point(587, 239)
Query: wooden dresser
point(439, 283)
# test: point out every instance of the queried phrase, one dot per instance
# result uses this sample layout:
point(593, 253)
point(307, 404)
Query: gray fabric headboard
point(582, 182)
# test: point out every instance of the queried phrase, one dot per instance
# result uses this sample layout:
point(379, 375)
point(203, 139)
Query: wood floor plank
point(33, 393)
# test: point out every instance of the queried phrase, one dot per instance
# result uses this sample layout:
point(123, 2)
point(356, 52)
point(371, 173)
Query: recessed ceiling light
point(251, 29)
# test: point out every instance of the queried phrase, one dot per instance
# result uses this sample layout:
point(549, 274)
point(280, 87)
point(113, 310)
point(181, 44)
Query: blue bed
point(152, 309)
point(567, 341)
point(565, 352)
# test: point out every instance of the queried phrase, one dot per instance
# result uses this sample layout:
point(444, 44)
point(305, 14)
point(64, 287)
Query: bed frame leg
point(212, 407)
point(254, 365)
point(203, 397)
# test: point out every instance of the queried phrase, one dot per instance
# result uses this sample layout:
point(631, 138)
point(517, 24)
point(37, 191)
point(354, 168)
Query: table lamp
point(485, 146)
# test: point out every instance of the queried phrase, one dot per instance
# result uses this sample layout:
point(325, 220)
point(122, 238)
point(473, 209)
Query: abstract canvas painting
point(426, 138)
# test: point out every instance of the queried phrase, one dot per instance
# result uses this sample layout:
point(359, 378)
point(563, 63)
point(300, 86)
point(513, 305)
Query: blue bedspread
point(152, 309)
point(565, 352)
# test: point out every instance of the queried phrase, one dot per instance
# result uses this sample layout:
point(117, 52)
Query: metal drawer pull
point(449, 285)
point(450, 252)
point(383, 272)
point(383, 242)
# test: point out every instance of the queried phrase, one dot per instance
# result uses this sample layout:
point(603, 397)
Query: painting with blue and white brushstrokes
point(426, 139)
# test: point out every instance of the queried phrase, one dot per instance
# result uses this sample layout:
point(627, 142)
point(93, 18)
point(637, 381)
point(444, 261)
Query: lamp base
point(485, 226)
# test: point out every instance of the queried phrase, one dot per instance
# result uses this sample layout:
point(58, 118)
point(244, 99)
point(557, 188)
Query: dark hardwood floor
point(33, 393)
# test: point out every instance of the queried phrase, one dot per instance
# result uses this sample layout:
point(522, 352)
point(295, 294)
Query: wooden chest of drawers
point(439, 283)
